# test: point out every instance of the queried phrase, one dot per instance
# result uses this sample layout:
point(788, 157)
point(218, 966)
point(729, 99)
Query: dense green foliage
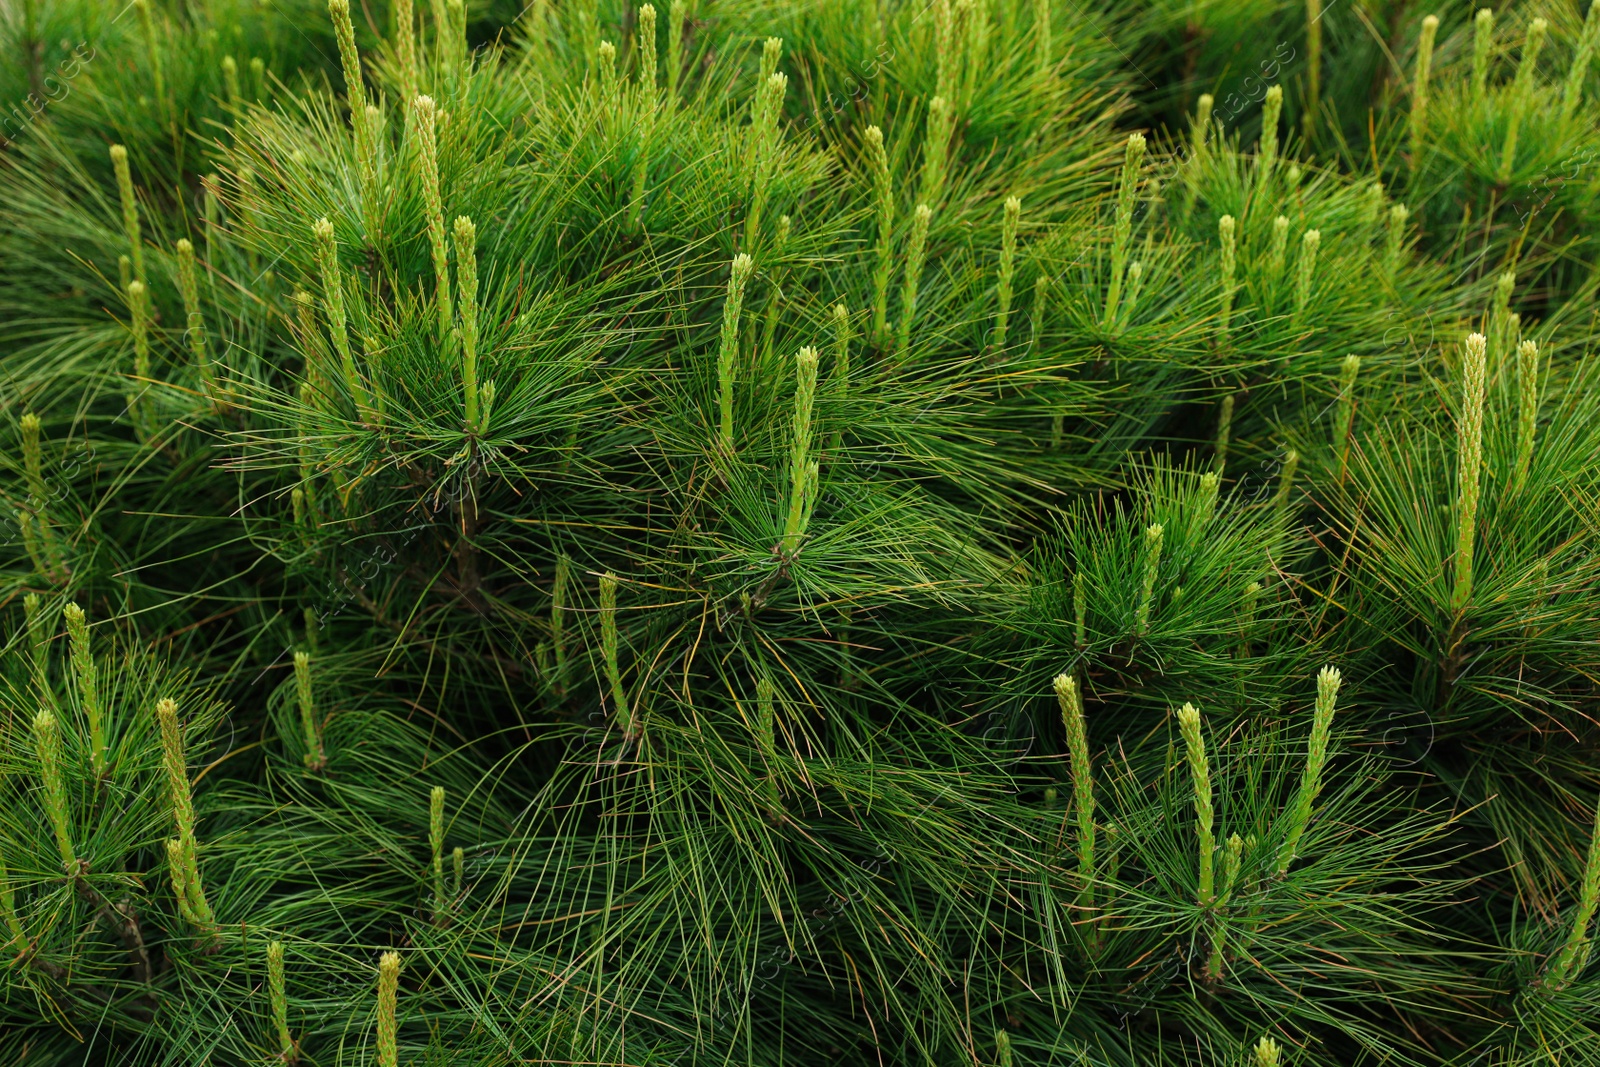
point(954, 532)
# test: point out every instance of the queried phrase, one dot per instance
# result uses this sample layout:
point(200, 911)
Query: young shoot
point(1200, 774)
point(47, 749)
point(305, 698)
point(883, 200)
point(172, 760)
point(1316, 759)
point(728, 350)
point(1469, 465)
point(83, 667)
point(278, 999)
point(388, 994)
point(1147, 587)
point(1122, 226)
point(914, 260)
point(1070, 700)
point(1522, 95)
point(1008, 258)
point(1419, 86)
point(801, 495)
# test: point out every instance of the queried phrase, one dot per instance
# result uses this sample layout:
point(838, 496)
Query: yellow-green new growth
point(172, 760)
point(38, 642)
point(1501, 333)
point(1469, 465)
point(915, 256)
point(1135, 286)
point(1522, 94)
point(1588, 41)
point(178, 876)
point(344, 32)
point(1271, 112)
point(139, 321)
point(1573, 956)
point(883, 199)
point(436, 847)
point(451, 34)
point(1122, 226)
point(1200, 773)
point(88, 677)
point(1147, 587)
point(305, 697)
point(675, 18)
point(1225, 233)
point(1210, 486)
point(1266, 1053)
point(1224, 430)
point(1345, 414)
point(130, 211)
point(361, 123)
point(1008, 259)
point(766, 717)
point(1291, 464)
point(33, 458)
point(1306, 269)
point(1070, 700)
point(1316, 759)
point(728, 349)
point(936, 148)
point(388, 994)
point(801, 493)
point(278, 996)
point(766, 108)
point(466, 235)
point(608, 648)
point(47, 747)
point(405, 41)
point(1527, 408)
point(1419, 85)
point(424, 124)
point(1278, 253)
point(841, 348)
point(1482, 43)
point(194, 320)
point(645, 40)
point(1232, 859)
point(8, 913)
point(38, 532)
point(1394, 240)
point(945, 56)
point(1372, 209)
point(1200, 130)
point(333, 304)
point(607, 58)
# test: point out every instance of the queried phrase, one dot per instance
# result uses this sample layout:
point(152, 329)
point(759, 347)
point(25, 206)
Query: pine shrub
point(969, 531)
